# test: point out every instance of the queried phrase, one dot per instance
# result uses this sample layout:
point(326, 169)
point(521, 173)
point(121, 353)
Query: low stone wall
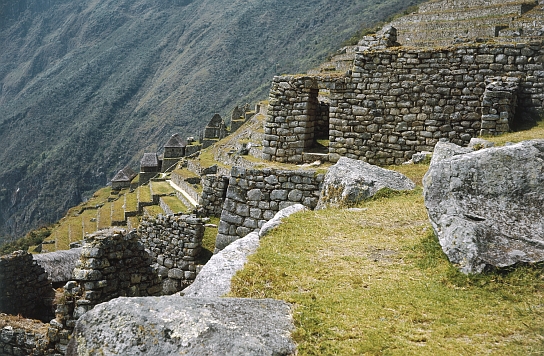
point(25, 288)
point(113, 263)
point(255, 196)
point(174, 243)
point(18, 341)
point(214, 190)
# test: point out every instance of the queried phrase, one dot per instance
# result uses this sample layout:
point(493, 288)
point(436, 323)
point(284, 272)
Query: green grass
point(185, 173)
point(88, 221)
point(144, 194)
point(518, 136)
point(175, 204)
point(105, 216)
point(153, 210)
point(131, 202)
point(133, 222)
point(376, 282)
point(118, 210)
point(161, 188)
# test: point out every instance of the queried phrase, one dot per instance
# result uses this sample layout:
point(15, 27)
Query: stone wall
point(25, 288)
point(292, 116)
point(402, 101)
point(174, 243)
point(113, 263)
point(396, 102)
point(255, 196)
point(19, 341)
point(214, 191)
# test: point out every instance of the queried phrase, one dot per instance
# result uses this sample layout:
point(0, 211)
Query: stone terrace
point(441, 23)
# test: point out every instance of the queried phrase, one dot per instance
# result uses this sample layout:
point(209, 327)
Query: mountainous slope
point(87, 85)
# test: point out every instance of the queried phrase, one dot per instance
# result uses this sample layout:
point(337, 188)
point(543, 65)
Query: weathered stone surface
point(486, 206)
point(350, 181)
point(190, 326)
point(214, 278)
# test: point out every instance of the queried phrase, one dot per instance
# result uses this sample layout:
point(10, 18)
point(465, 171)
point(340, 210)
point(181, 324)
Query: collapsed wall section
point(255, 196)
point(113, 263)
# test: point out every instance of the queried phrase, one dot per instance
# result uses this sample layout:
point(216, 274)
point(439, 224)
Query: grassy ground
point(144, 194)
point(161, 188)
point(175, 204)
point(131, 202)
point(375, 281)
point(153, 210)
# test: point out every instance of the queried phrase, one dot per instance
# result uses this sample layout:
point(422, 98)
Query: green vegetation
point(94, 104)
point(375, 281)
point(131, 202)
point(535, 132)
point(33, 238)
point(153, 210)
point(104, 216)
point(144, 194)
point(161, 188)
point(175, 204)
point(118, 210)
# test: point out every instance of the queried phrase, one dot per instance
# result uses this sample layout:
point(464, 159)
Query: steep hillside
point(86, 86)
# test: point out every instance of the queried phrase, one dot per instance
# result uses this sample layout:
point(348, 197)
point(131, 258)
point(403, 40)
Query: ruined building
point(396, 100)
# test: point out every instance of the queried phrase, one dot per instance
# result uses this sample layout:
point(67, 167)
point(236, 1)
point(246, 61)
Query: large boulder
point(176, 325)
point(350, 181)
point(486, 206)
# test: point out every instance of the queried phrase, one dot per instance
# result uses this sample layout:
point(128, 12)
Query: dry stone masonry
point(174, 243)
point(255, 196)
point(398, 101)
point(22, 341)
point(25, 287)
point(214, 190)
point(112, 264)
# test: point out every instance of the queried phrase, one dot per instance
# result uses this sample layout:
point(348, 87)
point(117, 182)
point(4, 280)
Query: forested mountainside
point(87, 85)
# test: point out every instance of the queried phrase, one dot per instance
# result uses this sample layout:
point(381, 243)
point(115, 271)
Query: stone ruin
point(397, 102)
point(160, 259)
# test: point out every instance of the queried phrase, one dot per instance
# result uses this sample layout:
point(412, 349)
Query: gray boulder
point(60, 264)
point(184, 326)
point(486, 206)
point(214, 278)
point(350, 181)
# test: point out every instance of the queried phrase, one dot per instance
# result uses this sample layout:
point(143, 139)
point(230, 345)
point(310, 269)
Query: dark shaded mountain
point(87, 85)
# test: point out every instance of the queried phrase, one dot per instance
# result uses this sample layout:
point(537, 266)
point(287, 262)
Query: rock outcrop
point(486, 206)
point(350, 181)
point(188, 326)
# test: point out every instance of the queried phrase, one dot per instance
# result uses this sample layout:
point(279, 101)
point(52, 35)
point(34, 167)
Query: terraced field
point(107, 208)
